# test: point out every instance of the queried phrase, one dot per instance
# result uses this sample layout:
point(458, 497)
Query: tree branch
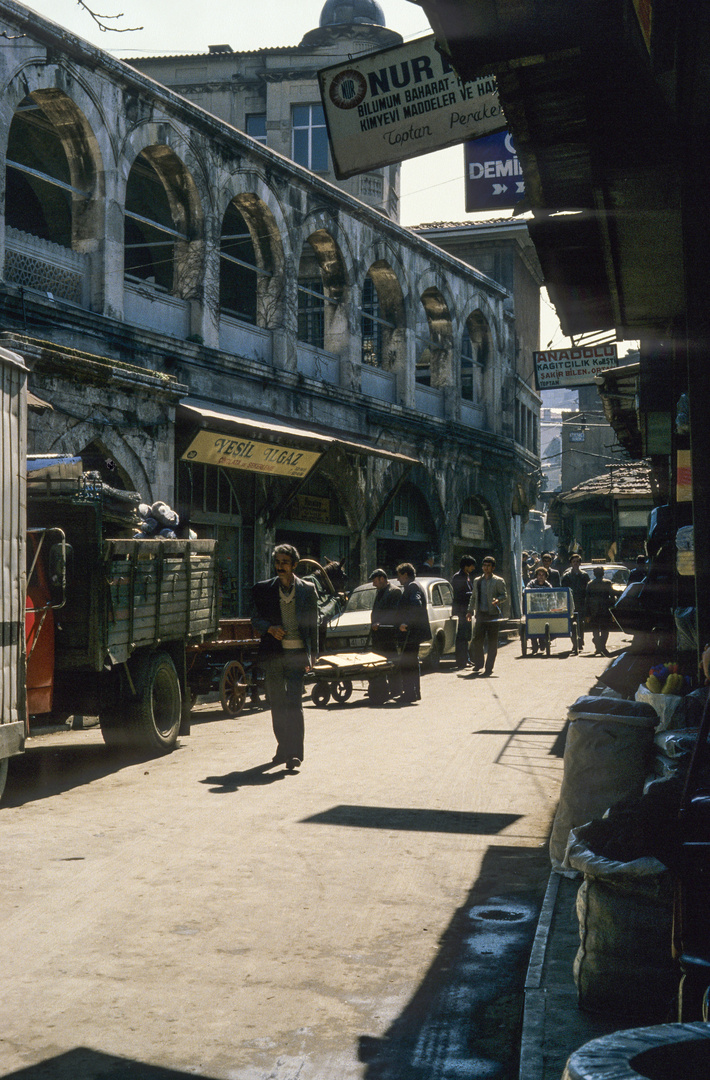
point(99, 20)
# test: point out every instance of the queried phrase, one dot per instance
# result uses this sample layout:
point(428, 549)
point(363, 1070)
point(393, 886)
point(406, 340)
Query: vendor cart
point(334, 677)
point(548, 614)
point(227, 663)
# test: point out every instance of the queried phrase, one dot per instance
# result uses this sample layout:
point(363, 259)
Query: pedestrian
point(385, 622)
point(553, 576)
point(576, 580)
point(462, 585)
point(538, 581)
point(414, 628)
point(525, 568)
point(639, 572)
point(286, 615)
point(484, 609)
point(599, 601)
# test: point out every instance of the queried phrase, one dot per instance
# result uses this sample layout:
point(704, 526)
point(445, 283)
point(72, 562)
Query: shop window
point(310, 137)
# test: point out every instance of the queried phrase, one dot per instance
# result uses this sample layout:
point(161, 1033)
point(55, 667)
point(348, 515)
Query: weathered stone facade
point(189, 260)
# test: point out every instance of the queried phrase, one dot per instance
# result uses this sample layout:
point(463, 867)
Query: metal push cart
point(548, 614)
point(227, 663)
point(334, 677)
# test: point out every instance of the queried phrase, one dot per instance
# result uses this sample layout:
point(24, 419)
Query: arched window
point(38, 197)
point(382, 317)
point(238, 269)
point(434, 346)
point(476, 349)
point(150, 233)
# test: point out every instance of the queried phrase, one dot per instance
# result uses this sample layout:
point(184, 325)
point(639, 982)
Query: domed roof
point(350, 12)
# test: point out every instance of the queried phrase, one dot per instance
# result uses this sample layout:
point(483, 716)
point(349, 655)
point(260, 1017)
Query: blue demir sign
point(494, 178)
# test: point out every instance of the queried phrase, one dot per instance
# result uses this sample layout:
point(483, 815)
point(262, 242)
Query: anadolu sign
point(398, 103)
point(555, 368)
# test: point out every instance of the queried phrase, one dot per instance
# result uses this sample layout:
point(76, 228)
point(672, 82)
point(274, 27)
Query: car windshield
point(361, 599)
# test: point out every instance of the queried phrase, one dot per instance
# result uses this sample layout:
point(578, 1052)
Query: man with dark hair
point(553, 576)
point(576, 580)
point(385, 620)
point(489, 592)
point(415, 628)
point(286, 615)
point(600, 600)
point(462, 584)
point(639, 572)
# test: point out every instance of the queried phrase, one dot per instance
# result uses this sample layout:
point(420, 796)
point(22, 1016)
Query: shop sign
point(557, 368)
point(213, 448)
point(494, 175)
point(384, 107)
point(401, 526)
point(309, 508)
point(633, 519)
point(684, 477)
point(473, 527)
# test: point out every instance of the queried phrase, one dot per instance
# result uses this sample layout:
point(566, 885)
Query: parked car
point(616, 573)
point(351, 629)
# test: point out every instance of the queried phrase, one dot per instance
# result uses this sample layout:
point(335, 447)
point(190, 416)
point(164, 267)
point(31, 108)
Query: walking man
point(415, 628)
point(286, 615)
point(385, 620)
point(462, 584)
point(484, 609)
point(600, 600)
point(576, 580)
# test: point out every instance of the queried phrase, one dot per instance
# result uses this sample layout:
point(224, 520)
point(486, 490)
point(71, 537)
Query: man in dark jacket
point(462, 584)
point(385, 620)
point(286, 615)
point(577, 580)
point(415, 628)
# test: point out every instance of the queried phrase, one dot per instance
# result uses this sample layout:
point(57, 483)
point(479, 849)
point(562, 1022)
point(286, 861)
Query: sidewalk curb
point(534, 1004)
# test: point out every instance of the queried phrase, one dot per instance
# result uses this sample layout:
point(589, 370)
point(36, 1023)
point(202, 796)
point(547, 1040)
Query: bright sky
point(432, 186)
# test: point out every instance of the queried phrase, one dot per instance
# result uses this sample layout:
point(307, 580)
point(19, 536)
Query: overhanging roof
point(599, 150)
point(618, 389)
point(207, 414)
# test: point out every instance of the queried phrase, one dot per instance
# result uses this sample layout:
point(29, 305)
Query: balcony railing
point(242, 339)
point(429, 400)
point(473, 415)
point(318, 364)
point(379, 384)
point(152, 309)
point(46, 267)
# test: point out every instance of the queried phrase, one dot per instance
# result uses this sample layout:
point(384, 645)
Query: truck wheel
point(114, 728)
point(154, 715)
point(3, 776)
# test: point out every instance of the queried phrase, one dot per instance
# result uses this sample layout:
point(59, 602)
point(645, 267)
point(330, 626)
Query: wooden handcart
point(334, 677)
point(548, 614)
point(227, 663)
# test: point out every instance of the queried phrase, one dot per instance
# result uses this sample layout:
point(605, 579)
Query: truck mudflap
point(12, 739)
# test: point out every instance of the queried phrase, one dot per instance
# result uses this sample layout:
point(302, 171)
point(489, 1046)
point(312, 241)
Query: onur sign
point(573, 367)
point(398, 103)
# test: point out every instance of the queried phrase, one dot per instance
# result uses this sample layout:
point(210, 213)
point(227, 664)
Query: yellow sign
point(212, 448)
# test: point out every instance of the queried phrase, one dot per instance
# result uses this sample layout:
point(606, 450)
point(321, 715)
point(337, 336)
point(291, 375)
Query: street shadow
point(257, 776)
point(408, 819)
point(556, 750)
point(47, 770)
point(83, 1063)
point(465, 1018)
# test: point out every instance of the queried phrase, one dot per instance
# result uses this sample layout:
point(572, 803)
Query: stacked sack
point(157, 521)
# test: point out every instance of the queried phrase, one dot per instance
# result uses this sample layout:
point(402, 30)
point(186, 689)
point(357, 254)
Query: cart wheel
point(233, 688)
point(377, 690)
point(575, 637)
point(523, 641)
point(342, 690)
point(547, 639)
point(320, 694)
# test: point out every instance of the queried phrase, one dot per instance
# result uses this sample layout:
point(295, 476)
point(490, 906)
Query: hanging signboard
point(494, 177)
point(213, 448)
point(384, 107)
point(578, 366)
point(472, 527)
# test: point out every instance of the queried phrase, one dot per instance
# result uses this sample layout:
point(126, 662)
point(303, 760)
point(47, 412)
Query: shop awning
point(252, 427)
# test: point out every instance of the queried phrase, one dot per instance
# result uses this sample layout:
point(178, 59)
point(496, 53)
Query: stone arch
point(477, 352)
point(478, 508)
point(129, 462)
point(323, 293)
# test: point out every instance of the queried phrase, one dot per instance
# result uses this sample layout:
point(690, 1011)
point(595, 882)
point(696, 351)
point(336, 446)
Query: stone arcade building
point(173, 282)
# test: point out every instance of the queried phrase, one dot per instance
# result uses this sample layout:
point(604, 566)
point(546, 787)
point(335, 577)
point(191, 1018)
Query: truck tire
point(3, 776)
point(154, 715)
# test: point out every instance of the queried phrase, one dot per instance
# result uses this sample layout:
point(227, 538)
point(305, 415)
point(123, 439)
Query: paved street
point(369, 917)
